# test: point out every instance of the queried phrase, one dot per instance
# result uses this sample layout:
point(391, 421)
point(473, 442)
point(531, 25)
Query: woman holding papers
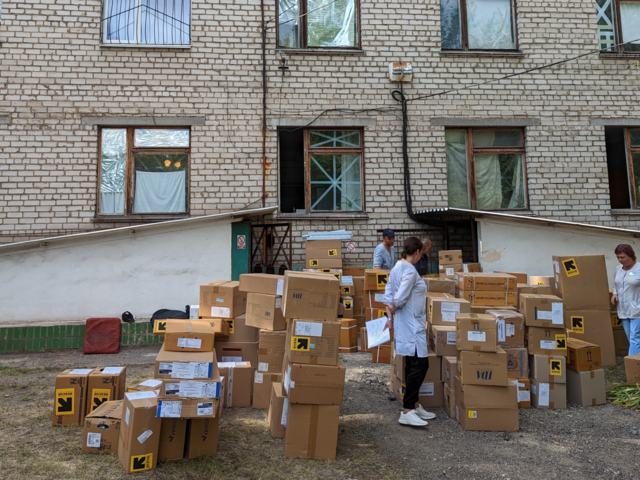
point(405, 299)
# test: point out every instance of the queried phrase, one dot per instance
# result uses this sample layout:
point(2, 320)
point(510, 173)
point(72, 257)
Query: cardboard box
point(489, 298)
point(275, 418)
point(173, 436)
point(348, 335)
point(150, 385)
point(376, 280)
point(517, 362)
point(102, 428)
point(222, 299)
point(381, 354)
point(483, 368)
point(374, 313)
point(537, 280)
point(524, 392)
point(449, 271)
point(581, 281)
point(443, 311)
point(178, 390)
point(449, 400)
point(542, 310)
point(443, 340)
point(586, 388)
point(238, 384)
point(238, 352)
point(358, 284)
point(188, 336)
point(521, 277)
point(264, 311)
point(313, 342)
point(262, 385)
point(105, 384)
point(323, 253)
point(314, 384)
point(433, 373)
point(373, 299)
point(485, 396)
point(139, 432)
point(486, 282)
point(431, 394)
point(70, 397)
point(449, 370)
point(487, 408)
point(239, 331)
point(483, 309)
point(181, 407)
point(583, 356)
point(347, 306)
point(397, 387)
point(447, 257)
point(546, 341)
point(510, 327)
point(471, 267)
point(271, 350)
point(476, 332)
point(312, 431)
point(358, 305)
point(264, 283)
point(593, 326)
point(311, 296)
point(548, 396)
point(632, 368)
point(621, 343)
point(441, 285)
point(202, 437)
point(353, 270)
point(533, 290)
point(548, 369)
point(186, 365)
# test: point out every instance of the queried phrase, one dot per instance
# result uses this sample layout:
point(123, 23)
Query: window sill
point(327, 51)
point(142, 45)
point(625, 212)
point(322, 216)
point(619, 55)
point(481, 53)
point(140, 219)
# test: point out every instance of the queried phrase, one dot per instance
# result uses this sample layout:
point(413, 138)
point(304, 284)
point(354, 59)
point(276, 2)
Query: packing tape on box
point(313, 431)
point(230, 388)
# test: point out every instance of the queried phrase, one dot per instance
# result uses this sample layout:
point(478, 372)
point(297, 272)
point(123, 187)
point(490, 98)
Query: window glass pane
point(331, 24)
point(490, 24)
point(160, 183)
point(334, 139)
point(630, 22)
point(289, 23)
point(161, 138)
point(636, 174)
point(606, 32)
point(121, 18)
point(497, 138)
point(335, 182)
point(499, 181)
point(457, 172)
point(113, 161)
point(617, 167)
point(450, 24)
point(165, 22)
point(635, 138)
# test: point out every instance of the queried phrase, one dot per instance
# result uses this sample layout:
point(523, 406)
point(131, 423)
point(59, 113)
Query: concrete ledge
point(5, 120)
point(486, 122)
point(616, 122)
point(321, 122)
point(144, 121)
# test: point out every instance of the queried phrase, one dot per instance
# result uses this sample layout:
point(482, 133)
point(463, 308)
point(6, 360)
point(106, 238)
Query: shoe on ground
point(423, 414)
point(412, 419)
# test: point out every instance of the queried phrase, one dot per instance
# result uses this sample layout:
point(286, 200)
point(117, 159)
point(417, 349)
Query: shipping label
point(169, 409)
point(259, 378)
point(474, 336)
point(263, 367)
point(205, 408)
point(427, 390)
point(308, 329)
point(543, 395)
point(190, 343)
point(451, 338)
point(502, 331)
point(93, 440)
point(547, 345)
point(144, 436)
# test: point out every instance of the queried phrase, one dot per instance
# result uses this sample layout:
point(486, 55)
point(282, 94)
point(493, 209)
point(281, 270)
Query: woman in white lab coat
point(405, 302)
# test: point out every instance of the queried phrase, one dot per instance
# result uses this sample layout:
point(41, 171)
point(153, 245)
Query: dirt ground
point(577, 443)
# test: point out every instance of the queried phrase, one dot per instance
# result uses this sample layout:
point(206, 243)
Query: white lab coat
point(406, 290)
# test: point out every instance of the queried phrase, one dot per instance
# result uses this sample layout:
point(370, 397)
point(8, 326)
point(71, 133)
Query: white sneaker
point(423, 414)
point(412, 419)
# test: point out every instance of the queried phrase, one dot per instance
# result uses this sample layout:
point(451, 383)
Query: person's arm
point(406, 287)
point(614, 297)
point(377, 259)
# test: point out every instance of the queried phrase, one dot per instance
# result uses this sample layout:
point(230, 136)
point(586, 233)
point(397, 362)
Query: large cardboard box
point(443, 340)
point(476, 332)
point(478, 297)
point(583, 356)
point(202, 437)
point(449, 370)
point(102, 428)
point(510, 327)
point(376, 280)
point(188, 336)
point(486, 282)
point(581, 281)
point(238, 383)
point(239, 331)
point(219, 325)
point(173, 435)
point(238, 352)
point(593, 326)
point(546, 341)
point(277, 421)
point(186, 365)
point(264, 311)
point(348, 335)
point(548, 396)
point(485, 408)
point(632, 368)
point(222, 299)
point(538, 280)
point(323, 253)
point(431, 394)
point(441, 285)
point(521, 277)
point(262, 386)
point(443, 311)
point(524, 392)
point(105, 384)
point(312, 431)
point(314, 384)
point(450, 400)
point(313, 342)
point(548, 369)
point(264, 283)
point(517, 362)
point(486, 396)
point(271, 350)
point(483, 368)
point(70, 397)
point(621, 343)
point(139, 432)
point(447, 257)
point(586, 388)
point(533, 290)
point(448, 272)
point(311, 295)
point(487, 419)
point(544, 311)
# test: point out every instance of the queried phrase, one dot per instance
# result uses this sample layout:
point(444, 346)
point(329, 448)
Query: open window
point(623, 165)
point(619, 22)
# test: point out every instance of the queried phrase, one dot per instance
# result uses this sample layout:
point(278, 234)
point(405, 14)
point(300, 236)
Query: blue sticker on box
point(313, 345)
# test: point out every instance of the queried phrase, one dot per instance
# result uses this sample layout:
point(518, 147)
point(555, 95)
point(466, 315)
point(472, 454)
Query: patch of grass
point(17, 371)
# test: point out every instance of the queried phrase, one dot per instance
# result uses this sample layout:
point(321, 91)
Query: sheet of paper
point(112, 370)
point(375, 335)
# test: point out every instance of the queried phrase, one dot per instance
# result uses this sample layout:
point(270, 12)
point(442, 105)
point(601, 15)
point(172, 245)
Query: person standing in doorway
point(423, 264)
point(384, 256)
point(405, 302)
point(626, 292)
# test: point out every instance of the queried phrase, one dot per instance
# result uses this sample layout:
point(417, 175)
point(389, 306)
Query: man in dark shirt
point(423, 264)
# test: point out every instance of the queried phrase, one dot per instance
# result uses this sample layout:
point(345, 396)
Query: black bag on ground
point(164, 313)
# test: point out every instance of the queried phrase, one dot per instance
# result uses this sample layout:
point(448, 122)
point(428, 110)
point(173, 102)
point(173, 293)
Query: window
point(623, 164)
point(321, 170)
point(478, 24)
point(318, 23)
point(144, 171)
point(486, 169)
point(618, 22)
point(146, 22)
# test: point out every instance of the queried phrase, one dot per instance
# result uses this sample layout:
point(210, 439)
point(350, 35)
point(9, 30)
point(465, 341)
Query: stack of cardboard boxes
point(585, 376)
point(449, 263)
point(487, 289)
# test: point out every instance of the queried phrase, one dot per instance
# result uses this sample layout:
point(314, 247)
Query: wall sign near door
point(351, 246)
point(242, 242)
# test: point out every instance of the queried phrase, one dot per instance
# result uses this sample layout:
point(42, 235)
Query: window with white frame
point(618, 22)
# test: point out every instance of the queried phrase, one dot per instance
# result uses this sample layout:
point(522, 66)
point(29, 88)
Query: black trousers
point(415, 370)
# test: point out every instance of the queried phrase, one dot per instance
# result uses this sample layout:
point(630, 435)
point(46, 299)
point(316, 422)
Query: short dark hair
point(411, 246)
point(627, 250)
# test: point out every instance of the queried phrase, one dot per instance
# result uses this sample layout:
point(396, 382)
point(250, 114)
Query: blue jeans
point(632, 329)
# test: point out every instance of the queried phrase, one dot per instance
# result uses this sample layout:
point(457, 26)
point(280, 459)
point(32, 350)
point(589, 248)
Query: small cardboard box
point(238, 352)
point(441, 285)
point(376, 280)
point(487, 419)
point(484, 408)
point(264, 283)
point(311, 295)
point(546, 341)
point(238, 383)
point(538, 280)
point(483, 368)
point(348, 335)
point(139, 432)
point(312, 431)
point(524, 392)
point(264, 311)
point(621, 343)
point(188, 336)
point(548, 396)
point(472, 268)
point(447, 257)
point(443, 311)
point(486, 396)
point(533, 290)
point(313, 342)
point(448, 271)
point(373, 299)
point(239, 331)
point(222, 299)
point(593, 326)
point(450, 401)
point(586, 388)
point(632, 368)
point(275, 418)
point(314, 384)
point(105, 384)
point(449, 370)
point(262, 386)
point(202, 437)
point(486, 282)
point(323, 253)
point(521, 277)
point(102, 428)
point(70, 397)
point(431, 394)
point(443, 340)
point(548, 369)
point(476, 332)
point(186, 365)
point(173, 435)
point(581, 281)
point(517, 362)
point(544, 311)
point(494, 299)
point(510, 326)
point(374, 313)
point(381, 354)
point(271, 350)
point(583, 356)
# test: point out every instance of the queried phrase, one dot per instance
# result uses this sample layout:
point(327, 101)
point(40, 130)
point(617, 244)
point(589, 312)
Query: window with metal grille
point(619, 22)
point(623, 163)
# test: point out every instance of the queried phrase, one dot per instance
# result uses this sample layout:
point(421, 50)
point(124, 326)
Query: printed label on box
point(205, 408)
point(224, 312)
point(379, 297)
point(259, 378)
point(285, 412)
point(280, 287)
point(510, 330)
point(152, 382)
point(543, 396)
point(477, 336)
point(93, 440)
point(144, 436)
point(308, 329)
point(427, 390)
point(112, 370)
point(263, 367)
point(451, 338)
point(557, 314)
point(169, 409)
point(547, 345)
point(502, 333)
point(140, 395)
point(190, 343)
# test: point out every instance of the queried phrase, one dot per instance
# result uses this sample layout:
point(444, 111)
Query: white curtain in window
point(488, 181)
point(517, 197)
point(160, 192)
point(630, 20)
point(350, 183)
point(490, 24)
point(331, 24)
point(457, 173)
point(111, 203)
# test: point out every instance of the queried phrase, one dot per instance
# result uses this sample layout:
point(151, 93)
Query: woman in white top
point(405, 299)
point(626, 291)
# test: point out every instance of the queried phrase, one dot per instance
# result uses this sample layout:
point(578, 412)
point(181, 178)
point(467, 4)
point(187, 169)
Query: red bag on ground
point(102, 335)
